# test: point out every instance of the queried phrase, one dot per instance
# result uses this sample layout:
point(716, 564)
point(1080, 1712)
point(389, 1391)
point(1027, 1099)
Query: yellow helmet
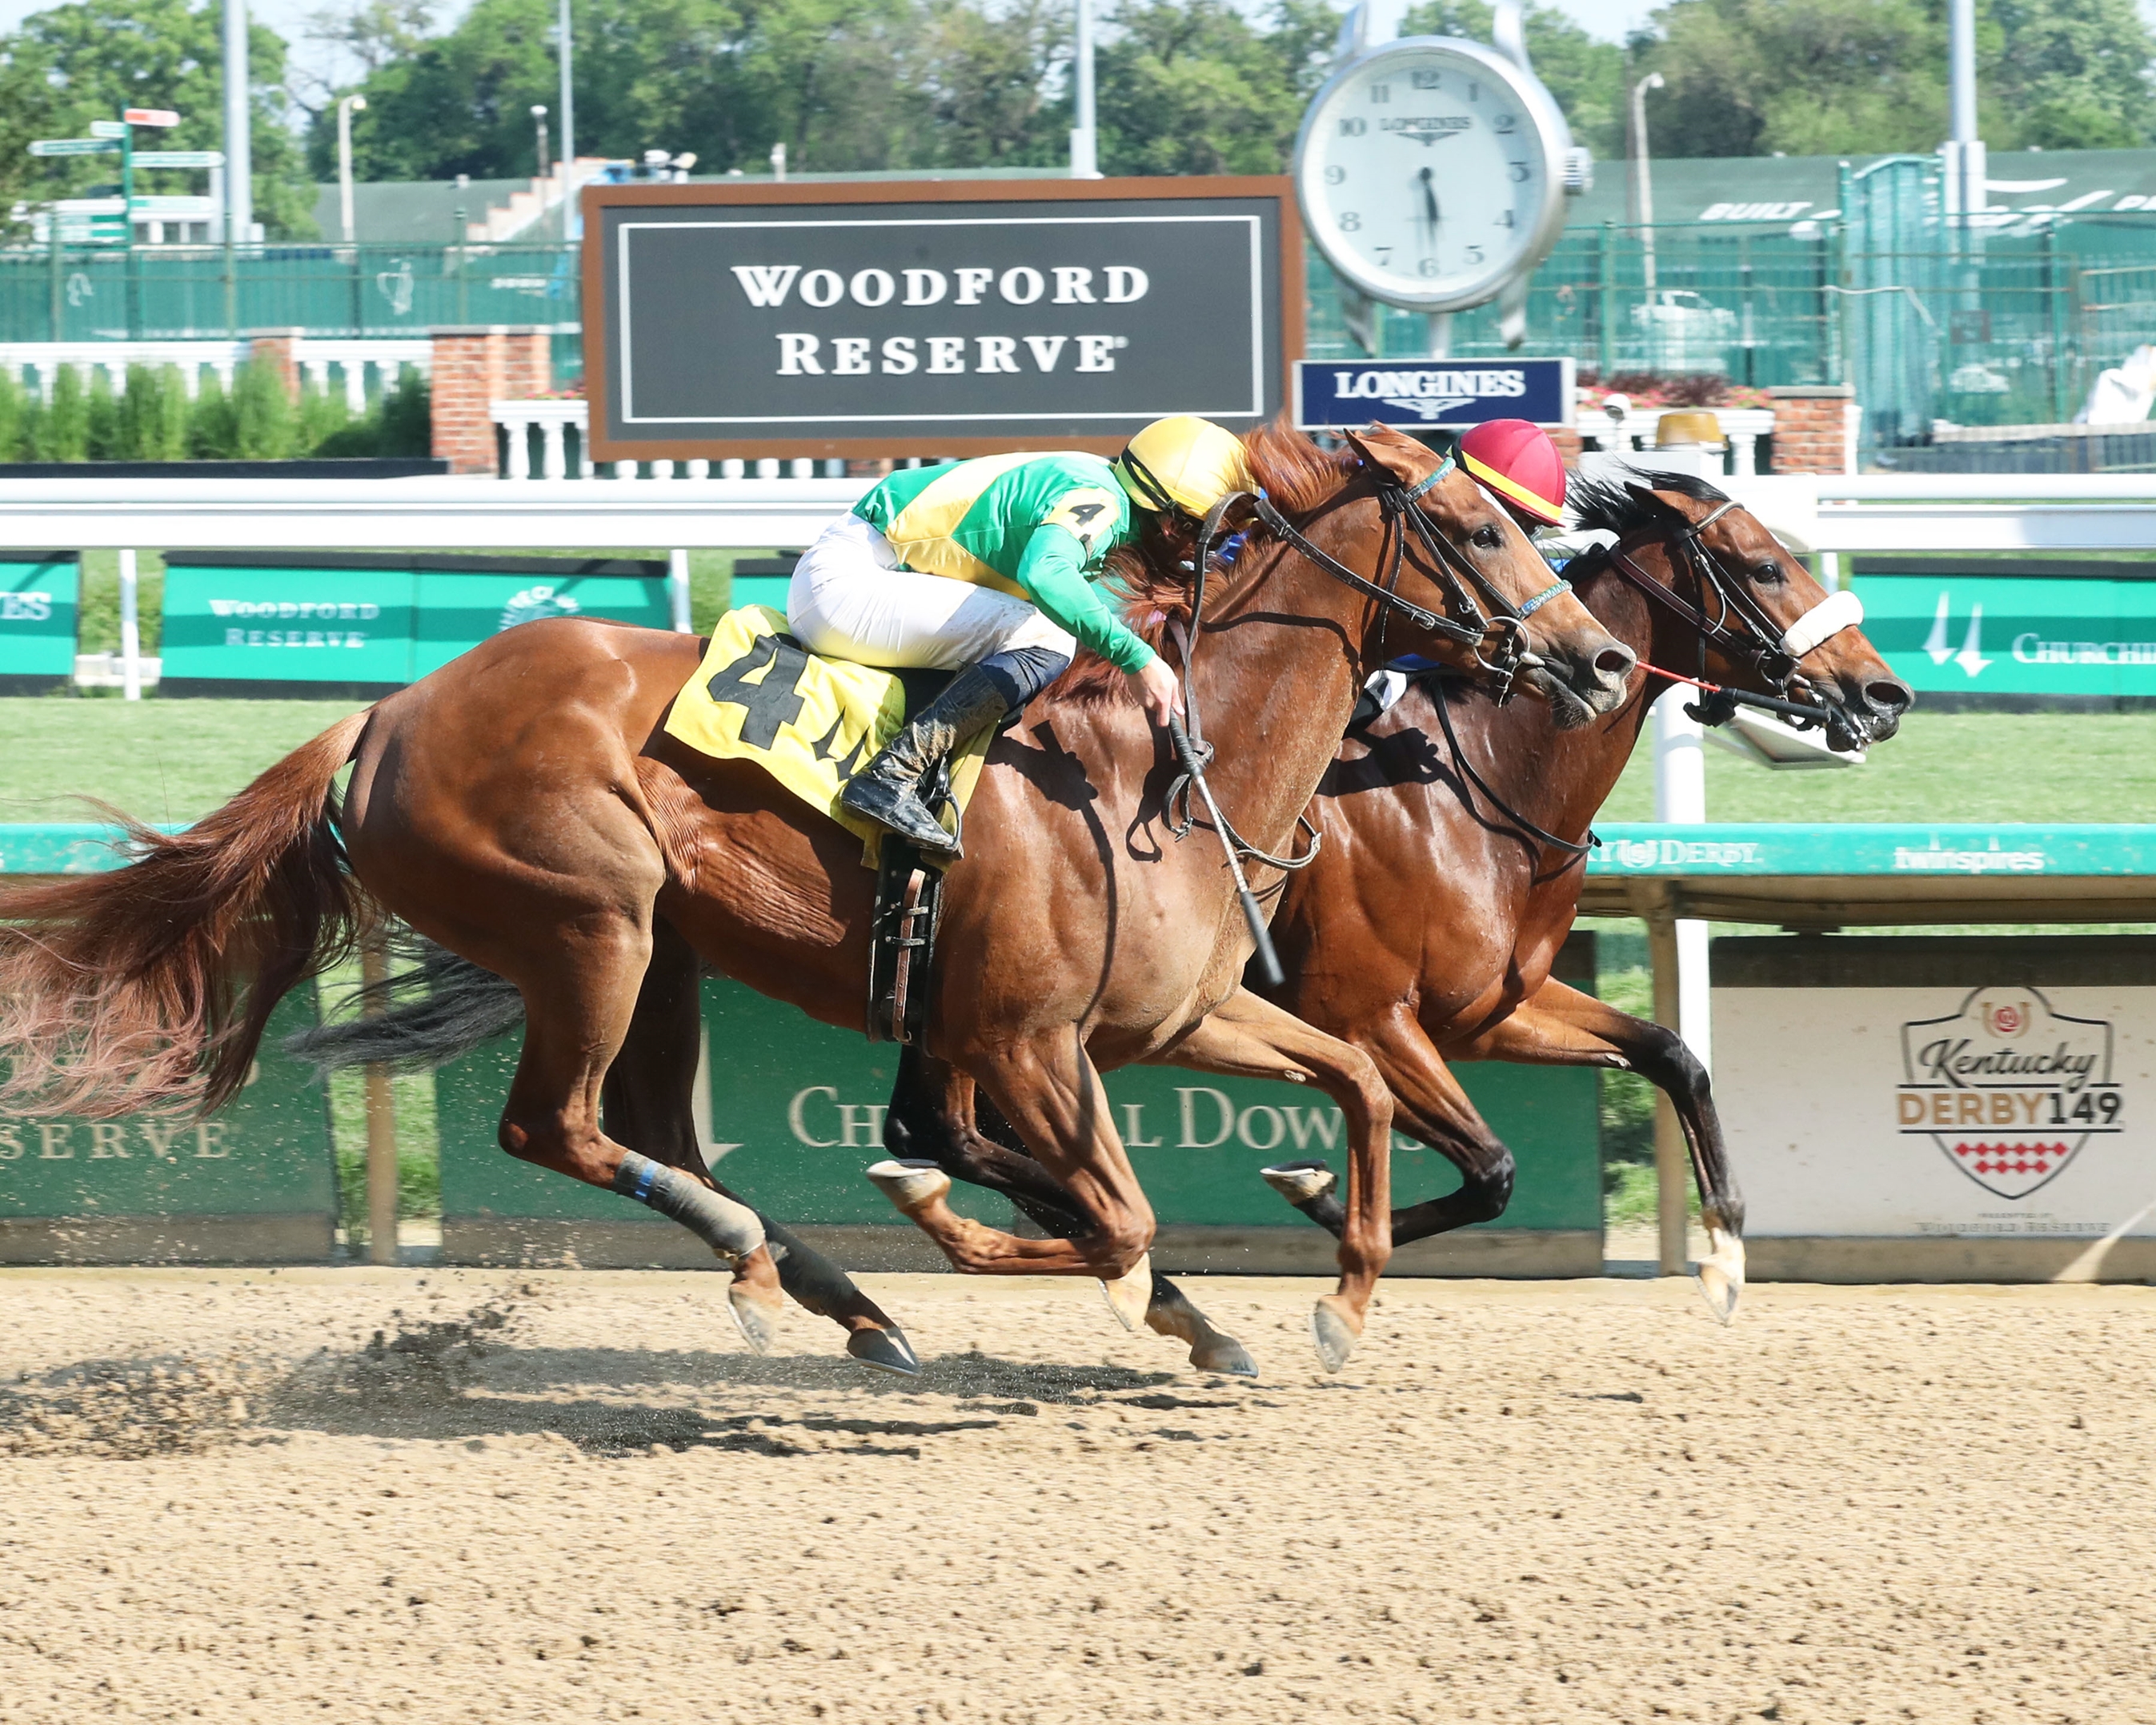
point(1183, 463)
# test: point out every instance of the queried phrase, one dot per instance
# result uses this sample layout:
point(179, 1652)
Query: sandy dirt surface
point(553, 1497)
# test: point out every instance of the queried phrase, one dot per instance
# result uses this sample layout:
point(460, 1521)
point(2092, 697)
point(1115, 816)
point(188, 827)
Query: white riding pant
point(850, 600)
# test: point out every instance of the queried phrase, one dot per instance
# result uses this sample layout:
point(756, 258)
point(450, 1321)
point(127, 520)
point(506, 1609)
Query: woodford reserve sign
point(933, 317)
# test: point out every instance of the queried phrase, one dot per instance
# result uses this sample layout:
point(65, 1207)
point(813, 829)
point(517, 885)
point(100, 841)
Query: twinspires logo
point(1431, 392)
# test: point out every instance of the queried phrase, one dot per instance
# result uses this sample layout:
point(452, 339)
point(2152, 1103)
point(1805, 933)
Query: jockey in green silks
point(987, 568)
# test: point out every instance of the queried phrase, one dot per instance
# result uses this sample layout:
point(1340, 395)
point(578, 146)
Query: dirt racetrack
point(564, 1497)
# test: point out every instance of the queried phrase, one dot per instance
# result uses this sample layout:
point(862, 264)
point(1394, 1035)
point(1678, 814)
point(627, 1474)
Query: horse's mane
point(1605, 501)
point(1149, 588)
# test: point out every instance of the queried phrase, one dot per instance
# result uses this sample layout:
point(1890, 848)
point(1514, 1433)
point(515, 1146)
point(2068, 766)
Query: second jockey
point(987, 567)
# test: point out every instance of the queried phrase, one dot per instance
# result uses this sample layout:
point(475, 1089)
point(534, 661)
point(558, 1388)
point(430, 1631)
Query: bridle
point(1497, 638)
point(1740, 629)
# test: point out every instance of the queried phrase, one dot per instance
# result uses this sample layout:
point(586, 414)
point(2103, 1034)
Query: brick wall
point(1815, 428)
point(274, 347)
point(475, 366)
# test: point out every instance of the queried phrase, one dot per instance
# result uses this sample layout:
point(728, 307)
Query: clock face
point(1429, 172)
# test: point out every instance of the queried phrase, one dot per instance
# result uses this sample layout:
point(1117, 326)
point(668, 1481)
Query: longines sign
point(932, 317)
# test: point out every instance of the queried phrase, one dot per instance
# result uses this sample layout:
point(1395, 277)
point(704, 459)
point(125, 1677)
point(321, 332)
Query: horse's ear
point(1401, 456)
point(1656, 505)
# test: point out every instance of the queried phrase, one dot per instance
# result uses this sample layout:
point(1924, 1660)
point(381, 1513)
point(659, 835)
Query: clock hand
point(1428, 196)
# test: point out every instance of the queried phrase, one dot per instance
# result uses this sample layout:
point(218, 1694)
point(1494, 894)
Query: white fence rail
point(1831, 515)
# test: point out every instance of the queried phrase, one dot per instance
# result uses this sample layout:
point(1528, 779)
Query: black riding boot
point(888, 789)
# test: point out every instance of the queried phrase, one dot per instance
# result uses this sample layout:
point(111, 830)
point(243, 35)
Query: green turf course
point(175, 760)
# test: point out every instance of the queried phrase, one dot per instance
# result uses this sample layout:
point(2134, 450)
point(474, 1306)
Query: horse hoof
point(1299, 1182)
point(1721, 1274)
point(1130, 1293)
point(755, 1319)
point(1335, 1331)
point(910, 1185)
point(886, 1350)
point(1224, 1356)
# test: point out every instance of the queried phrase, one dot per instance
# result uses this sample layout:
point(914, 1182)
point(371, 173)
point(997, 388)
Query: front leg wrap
point(731, 1230)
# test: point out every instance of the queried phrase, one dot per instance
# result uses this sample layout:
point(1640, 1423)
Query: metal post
point(345, 107)
point(381, 1136)
point(1606, 352)
point(1085, 142)
point(1642, 181)
point(2054, 292)
point(572, 226)
point(1671, 1161)
point(677, 590)
point(238, 120)
point(60, 279)
point(130, 629)
point(464, 292)
point(127, 225)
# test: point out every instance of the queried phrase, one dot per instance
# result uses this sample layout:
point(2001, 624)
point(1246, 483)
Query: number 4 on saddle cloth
point(811, 723)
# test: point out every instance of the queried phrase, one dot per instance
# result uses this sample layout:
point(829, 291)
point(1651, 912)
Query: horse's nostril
point(1614, 662)
point(1889, 695)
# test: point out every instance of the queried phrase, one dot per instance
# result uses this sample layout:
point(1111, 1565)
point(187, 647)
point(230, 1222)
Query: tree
point(74, 63)
point(1857, 77)
point(2071, 76)
point(1587, 77)
point(1197, 88)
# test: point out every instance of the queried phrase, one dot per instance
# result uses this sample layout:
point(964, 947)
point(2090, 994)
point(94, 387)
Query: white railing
point(1827, 514)
point(1744, 427)
point(553, 420)
point(315, 355)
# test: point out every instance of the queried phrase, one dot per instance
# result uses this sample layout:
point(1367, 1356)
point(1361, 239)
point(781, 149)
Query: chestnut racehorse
point(524, 808)
point(1455, 834)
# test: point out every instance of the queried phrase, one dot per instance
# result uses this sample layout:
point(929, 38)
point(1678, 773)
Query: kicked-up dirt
point(459, 1496)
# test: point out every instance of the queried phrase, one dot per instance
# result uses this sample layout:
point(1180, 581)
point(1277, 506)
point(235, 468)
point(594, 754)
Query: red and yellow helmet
point(1517, 463)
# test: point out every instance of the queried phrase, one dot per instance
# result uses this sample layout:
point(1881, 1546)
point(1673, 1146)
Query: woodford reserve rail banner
point(1928, 1086)
point(933, 317)
point(255, 1183)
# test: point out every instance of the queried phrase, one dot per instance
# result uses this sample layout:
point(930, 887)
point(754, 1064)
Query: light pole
point(1084, 149)
point(1964, 150)
point(539, 119)
point(572, 227)
point(239, 143)
point(1643, 181)
point(346, 107)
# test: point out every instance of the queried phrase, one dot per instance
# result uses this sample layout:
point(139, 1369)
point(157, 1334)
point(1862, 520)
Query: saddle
point(811, 723)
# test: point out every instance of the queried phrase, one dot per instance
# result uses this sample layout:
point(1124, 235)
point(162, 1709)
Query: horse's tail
point(431, 1008)
point(148, 988)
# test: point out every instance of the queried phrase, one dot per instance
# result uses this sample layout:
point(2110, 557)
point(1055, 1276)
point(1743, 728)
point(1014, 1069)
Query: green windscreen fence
point(255, 1182)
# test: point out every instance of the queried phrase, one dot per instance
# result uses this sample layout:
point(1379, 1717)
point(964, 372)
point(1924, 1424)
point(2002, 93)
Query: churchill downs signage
point(933, 317)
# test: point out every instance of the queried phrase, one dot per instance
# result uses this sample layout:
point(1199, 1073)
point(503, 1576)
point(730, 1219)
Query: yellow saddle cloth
point(810, 722)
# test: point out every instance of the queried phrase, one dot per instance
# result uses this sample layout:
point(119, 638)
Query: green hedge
point(153, 420)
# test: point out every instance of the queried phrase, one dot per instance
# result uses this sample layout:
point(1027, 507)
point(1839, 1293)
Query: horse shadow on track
point(454, 1379)
point(464, 1379)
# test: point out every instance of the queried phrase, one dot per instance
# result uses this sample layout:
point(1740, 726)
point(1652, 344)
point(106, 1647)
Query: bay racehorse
point(1454, 833)
point(524, 808)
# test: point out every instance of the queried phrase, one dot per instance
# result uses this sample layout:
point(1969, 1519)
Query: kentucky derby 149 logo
point(2007, 1089)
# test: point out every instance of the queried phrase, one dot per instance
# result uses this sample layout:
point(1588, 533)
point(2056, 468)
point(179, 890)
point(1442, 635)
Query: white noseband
point(1834, 613)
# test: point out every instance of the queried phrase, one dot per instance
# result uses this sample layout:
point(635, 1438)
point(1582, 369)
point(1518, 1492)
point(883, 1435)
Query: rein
point(1541, 836)
point(1396, 502)
point(1774, 652)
